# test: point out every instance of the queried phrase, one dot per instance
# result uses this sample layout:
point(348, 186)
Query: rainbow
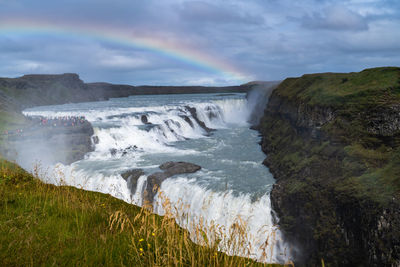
point(169, 49)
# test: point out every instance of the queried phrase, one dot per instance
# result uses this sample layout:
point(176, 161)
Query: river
point(210, 130)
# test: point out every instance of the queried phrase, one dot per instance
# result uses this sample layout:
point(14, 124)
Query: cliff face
point(36, 90)
point(333, 144)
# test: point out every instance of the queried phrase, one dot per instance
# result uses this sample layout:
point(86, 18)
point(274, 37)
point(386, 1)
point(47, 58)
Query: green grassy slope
point(10, 120)
point(43, 224)
point(370, 86)
point(333, 143)
point(371, 163)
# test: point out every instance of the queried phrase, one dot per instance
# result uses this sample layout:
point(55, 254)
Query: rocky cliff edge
point(333, 143)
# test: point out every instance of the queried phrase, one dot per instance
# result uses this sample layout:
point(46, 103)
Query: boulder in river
point(172, 168)
point(169, 168)
point(95, 140)
point(144, 119)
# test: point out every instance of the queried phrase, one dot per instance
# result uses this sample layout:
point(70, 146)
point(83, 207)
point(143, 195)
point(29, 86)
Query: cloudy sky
point(208, 42)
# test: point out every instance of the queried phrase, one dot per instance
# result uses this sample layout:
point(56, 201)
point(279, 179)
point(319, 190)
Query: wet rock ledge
point(154, 180)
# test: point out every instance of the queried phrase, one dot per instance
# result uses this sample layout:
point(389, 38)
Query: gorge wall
point(333, 144)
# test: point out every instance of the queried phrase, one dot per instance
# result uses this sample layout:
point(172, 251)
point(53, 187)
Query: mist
point(257, 100)
point(44, 142)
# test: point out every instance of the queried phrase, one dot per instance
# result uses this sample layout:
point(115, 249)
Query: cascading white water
point(219, 213)
point(137, 198)
point(143, 132)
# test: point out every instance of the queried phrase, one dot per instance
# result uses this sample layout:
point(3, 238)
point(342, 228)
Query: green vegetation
point(10, 121)
point(334, 141)
point(379, 184)
point(43, 224)
point(371, 162)
point(10, 118)
point(370, 86)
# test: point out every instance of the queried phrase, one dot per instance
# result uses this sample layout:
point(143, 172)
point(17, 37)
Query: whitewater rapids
point(210, 130)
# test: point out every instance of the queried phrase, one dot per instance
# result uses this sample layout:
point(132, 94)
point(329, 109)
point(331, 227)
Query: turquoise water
point(210, 130)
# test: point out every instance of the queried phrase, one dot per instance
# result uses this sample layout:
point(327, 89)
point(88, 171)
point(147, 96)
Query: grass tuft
point(42, 224)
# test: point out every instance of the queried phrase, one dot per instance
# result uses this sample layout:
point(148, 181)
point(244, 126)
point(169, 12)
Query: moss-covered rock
point(333, 144)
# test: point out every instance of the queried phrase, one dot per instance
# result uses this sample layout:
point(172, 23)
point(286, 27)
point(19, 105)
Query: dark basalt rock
point(384, 121)
point(193, 112)
point(173, 168)
point(169, 124)
point(123, 151)
point(144, 119)
point(187, 119)
point(95, 139)
point(134, 173)
point(130, 148)
point(169, 168)
point(131, 177)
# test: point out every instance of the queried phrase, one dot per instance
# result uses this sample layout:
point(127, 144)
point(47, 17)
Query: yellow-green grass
point(10, 121)
point(370, 164)
point(377, 85)
point(43, 224)
point(379, 183)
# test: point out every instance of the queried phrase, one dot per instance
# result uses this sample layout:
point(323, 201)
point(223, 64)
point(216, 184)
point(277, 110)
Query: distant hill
point(38, 89)
point(17, 94)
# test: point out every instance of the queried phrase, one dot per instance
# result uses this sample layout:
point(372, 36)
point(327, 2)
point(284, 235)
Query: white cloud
point(270, 39)
point(382, 37)
point(336, 18)
point(123, 62)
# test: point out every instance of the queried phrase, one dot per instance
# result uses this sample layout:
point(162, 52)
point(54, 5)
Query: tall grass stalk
point(42, 224)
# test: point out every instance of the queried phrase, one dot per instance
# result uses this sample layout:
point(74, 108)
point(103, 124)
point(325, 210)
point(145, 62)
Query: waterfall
point(142, 134)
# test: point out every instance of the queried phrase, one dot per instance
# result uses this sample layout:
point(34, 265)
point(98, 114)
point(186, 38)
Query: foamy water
point(232, 186)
